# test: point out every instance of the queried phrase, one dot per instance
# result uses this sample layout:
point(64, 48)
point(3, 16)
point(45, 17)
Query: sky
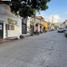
point(57, 8)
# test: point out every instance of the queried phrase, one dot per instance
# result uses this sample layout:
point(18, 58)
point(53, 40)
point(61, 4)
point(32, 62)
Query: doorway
point(1, 30)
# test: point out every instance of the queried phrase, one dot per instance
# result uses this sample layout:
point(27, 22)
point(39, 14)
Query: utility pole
point(52, 19)
point(52, 25)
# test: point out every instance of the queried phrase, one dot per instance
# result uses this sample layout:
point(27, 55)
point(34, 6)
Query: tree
point(28, 7)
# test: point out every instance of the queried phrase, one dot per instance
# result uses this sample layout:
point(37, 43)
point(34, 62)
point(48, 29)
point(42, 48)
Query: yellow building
point(45, 25)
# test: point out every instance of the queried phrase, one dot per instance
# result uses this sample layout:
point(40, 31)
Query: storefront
point(10, 24)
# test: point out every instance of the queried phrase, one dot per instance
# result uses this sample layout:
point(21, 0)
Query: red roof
point(65, 20)
point(39, 17)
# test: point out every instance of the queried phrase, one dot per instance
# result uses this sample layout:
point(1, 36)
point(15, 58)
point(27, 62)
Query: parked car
point(61, 30)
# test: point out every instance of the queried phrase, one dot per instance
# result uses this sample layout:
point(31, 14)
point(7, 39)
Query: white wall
point(4, 31)
point(4, 15)
point(37, 21)
point(28, 24)
point(17, 30)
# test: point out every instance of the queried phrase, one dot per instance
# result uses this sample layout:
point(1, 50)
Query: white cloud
point(54, 18)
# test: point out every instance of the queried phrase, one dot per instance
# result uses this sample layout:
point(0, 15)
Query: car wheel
point(21, 37)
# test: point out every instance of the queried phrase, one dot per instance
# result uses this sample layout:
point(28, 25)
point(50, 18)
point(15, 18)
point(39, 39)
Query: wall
point(28, 24)
point(17, 29)
point(4, 15)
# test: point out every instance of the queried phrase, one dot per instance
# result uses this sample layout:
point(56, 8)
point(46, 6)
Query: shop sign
point(11, 21)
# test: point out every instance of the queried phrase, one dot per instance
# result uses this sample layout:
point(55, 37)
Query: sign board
point(11, 21)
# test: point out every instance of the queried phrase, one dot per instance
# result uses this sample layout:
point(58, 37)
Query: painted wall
point(28, 24)
point(4, 15)
point(17, 29)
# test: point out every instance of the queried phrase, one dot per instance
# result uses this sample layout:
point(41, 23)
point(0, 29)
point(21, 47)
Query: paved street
point(45, 50)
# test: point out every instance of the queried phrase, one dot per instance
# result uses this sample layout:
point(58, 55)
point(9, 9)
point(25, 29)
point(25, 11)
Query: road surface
point(45, 50)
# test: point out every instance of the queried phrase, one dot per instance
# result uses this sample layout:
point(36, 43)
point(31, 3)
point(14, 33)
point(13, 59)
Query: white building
point(33, 21)
point(10, 25)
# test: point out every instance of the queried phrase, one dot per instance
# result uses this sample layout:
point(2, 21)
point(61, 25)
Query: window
point(9, 27)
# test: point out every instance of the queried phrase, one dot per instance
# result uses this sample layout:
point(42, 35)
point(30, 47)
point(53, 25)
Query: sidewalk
point(3, 40)
point(13, 38)
point(26, 35)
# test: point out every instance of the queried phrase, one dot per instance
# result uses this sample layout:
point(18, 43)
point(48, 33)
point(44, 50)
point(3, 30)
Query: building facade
point(10, 25)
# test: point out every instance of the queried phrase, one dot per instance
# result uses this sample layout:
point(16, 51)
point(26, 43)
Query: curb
point(14, 39)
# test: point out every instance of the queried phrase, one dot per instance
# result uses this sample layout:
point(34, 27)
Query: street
point(45, 50)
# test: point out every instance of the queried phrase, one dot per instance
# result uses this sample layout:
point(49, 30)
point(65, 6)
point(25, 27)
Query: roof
point(39, 17)
point(5, 13)
point(65, 21)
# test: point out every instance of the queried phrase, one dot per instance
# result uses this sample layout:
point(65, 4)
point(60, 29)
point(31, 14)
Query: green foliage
point(28, 7)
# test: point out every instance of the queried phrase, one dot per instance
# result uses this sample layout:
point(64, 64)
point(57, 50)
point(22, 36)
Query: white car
point(61, 30)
